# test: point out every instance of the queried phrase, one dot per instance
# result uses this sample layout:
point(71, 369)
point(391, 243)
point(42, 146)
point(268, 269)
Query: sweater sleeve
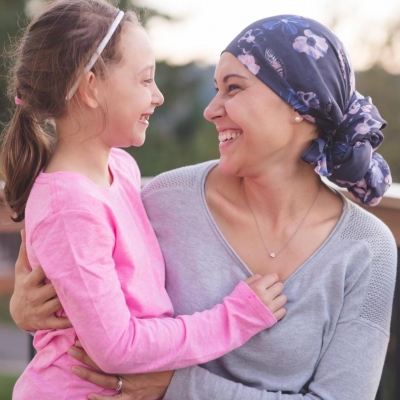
point(352, 364)
point(75, 250)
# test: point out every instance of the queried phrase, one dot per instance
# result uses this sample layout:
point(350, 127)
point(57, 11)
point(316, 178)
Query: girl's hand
point(150, 386)
point(33, 302)
point(269, 290)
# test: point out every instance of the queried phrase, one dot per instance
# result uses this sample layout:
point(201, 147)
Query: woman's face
point(255, 126)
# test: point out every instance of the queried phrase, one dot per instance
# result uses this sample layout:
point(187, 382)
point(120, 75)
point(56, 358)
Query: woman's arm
point(83, 273)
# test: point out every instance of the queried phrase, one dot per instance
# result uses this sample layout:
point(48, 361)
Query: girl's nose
point(158, 97)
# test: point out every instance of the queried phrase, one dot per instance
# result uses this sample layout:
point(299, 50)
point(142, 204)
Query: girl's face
point(131, 94)
point(255, 126)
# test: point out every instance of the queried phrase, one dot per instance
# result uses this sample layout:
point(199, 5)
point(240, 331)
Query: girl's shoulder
point(125, 166)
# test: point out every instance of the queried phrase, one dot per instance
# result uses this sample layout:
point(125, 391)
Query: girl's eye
point(149, 81)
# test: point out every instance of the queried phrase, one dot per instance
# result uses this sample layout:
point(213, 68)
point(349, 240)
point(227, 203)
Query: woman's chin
point(227, 166)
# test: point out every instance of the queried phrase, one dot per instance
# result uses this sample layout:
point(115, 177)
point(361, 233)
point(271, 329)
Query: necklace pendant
point(272, 255)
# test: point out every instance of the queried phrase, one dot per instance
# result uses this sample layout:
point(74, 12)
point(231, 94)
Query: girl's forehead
point(136, 48)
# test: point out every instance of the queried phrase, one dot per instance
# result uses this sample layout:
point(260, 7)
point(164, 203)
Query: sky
point(207, 26)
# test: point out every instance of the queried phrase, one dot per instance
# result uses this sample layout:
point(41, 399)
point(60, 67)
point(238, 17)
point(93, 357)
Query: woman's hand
point(151, 386)
point(33, 302)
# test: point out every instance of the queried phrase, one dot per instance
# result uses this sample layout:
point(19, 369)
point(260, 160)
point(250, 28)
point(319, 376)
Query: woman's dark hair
point(47, 62)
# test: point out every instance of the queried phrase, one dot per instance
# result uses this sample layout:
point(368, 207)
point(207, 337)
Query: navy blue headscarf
point(305, 64)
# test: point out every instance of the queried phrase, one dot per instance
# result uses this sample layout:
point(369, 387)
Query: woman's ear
point(88, 89)
point(297, 117)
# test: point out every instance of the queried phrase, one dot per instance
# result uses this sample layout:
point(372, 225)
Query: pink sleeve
point(75, 250)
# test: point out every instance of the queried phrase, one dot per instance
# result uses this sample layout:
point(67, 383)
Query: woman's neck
point(278, 194)
point(79, 150)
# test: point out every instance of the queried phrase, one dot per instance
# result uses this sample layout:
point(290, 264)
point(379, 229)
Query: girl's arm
point(33, 303)
point(75, 249)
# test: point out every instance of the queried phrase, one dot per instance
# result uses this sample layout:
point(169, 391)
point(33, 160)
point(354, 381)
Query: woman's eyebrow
point(226, 77)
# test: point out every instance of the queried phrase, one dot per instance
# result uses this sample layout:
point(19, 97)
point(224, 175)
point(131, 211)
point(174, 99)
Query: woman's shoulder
point(363, 225)
point(188, 176)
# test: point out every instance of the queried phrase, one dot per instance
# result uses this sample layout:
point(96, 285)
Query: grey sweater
point(332, 342)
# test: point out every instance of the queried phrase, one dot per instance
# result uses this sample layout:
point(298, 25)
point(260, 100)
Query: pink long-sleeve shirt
point(99, 250)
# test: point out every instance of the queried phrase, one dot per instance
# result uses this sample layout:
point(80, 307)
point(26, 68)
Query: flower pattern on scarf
point(253, 37)
point(249, 62)
point(311, 44)
point(289, 24)
point(292, 98)
point(309, 98)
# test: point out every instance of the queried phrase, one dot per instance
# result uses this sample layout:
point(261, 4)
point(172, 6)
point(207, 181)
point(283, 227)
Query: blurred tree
point(11, 13)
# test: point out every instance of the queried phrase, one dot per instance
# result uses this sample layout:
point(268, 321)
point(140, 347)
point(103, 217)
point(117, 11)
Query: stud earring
point(297, 119)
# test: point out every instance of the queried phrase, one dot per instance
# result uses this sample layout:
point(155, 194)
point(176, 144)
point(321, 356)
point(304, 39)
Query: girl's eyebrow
point(226, 77)
point(150, 66)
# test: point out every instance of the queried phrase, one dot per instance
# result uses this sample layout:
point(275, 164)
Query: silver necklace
point(271, 253)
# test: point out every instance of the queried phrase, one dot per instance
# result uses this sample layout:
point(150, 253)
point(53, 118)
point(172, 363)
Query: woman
point(286, 106)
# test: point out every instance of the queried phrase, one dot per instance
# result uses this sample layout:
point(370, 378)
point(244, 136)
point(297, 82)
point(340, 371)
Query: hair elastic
point(96, 55)
point(17, 101)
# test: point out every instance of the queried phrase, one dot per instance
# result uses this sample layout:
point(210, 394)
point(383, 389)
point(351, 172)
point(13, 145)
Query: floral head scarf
point(305, 64)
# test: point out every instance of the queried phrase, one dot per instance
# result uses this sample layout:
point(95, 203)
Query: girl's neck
point(82, 152)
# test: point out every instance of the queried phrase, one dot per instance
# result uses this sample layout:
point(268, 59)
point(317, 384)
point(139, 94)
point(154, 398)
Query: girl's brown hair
point(49, 59)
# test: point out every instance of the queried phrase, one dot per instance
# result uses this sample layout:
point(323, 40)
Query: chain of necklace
point(272, 254)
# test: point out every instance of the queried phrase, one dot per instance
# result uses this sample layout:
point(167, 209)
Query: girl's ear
point(88, 89)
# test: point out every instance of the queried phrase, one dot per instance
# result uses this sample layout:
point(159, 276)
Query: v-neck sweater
point(332, 342)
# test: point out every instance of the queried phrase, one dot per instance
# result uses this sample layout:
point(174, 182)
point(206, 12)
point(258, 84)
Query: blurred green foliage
point(6, 386)
point(178, 134)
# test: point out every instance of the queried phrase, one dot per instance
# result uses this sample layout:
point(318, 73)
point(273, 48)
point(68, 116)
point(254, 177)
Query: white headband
point(96, 55)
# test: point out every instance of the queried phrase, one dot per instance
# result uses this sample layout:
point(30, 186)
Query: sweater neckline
point(331, 237)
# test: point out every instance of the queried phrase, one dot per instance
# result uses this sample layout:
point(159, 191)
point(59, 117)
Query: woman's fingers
point(35, 278)
point(55, 322)
point(119, 396)
point(22, 266)
point(98, 378)
point(80, 354)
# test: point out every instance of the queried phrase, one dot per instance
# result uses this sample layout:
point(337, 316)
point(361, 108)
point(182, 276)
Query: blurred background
point(188, 36)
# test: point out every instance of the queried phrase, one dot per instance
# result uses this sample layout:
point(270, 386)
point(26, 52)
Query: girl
point(85, 222)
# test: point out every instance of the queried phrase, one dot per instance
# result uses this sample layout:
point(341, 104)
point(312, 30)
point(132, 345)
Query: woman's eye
point(149, 81)
point(233, 87)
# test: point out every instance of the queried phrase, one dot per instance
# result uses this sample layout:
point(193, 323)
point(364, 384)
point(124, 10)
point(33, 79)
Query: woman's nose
point(214, 109)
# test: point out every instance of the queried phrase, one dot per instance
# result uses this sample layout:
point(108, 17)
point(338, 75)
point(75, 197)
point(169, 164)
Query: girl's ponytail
point(26, 149)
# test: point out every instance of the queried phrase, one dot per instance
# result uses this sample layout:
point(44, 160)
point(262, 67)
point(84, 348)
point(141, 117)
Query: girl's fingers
point(98, 378)
point(279, 314)
point(252, 279)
